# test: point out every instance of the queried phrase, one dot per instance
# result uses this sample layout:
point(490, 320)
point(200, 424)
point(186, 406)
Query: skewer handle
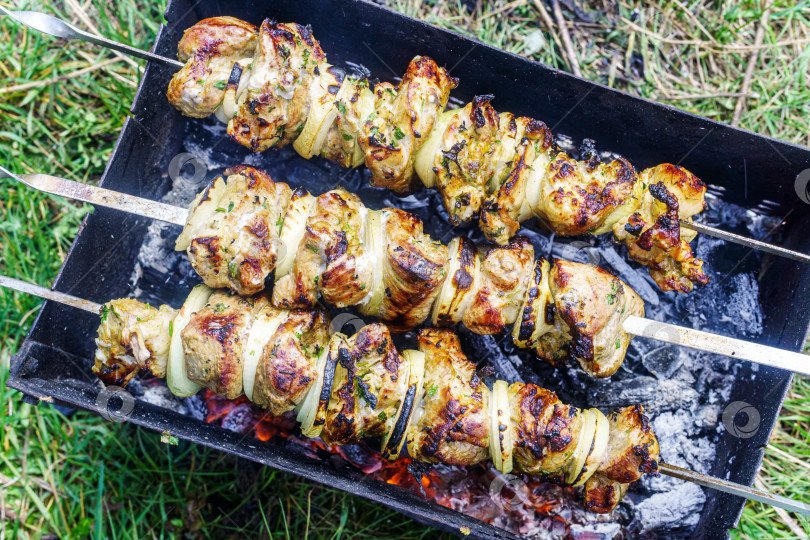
point(745, 241)
point(54, 26)
point(735, 489)
point(714, 343)
point(102, 197)
point(48, 294)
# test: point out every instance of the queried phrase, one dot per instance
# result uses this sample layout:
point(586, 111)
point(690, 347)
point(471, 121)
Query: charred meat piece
point(602, 494)
point(504, 276)
point(452, 426)
point(274, 106)
point(633, 447)
point(546, 432)
point(590, 307)
point(237, 245)
point(467, 159)
point(522, 140)
point(210, 48)
point(286, 368)
point(402, 120)
point(575, 197)
point(214, 342)
point(132, 337)
point(331, 258)
point(653, 232)
point(370, 383)
point(414, 268)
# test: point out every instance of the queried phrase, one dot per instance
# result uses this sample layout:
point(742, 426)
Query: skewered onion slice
point(395, 439)
point(200, 212)
point(176, 377)
point(463, 270)
point(534, 183)
point(264, 328)
point(236, 87)
point(501, 436)
point(425, 157)
point(292, 230)
point(312, 414)
point(597, 448)
point(375, 253)
point(322, 95)
point(536, 316)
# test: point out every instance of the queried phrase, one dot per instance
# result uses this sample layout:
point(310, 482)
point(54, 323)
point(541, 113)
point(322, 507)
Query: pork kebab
point(273, 86)
point(242, 227)
point(347, 388)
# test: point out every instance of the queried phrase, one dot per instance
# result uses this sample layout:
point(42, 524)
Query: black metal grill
point(54, 360)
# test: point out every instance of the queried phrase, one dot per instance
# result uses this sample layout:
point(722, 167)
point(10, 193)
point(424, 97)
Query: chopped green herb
point(200, 81)
point(232, 269)
point(219, 308)
point(221, 85)
point(316, 279)
point(230, 206)
point(614, 290)
point(341, 107)
point(280, 223)
point(104, 312)
point(171, 328)
point(283, 51)
point(313, 248)
point(382, 417)
point(221, 210)
point(347, 137)
point(398, 134)
point(305, 56)
point(432, 390)
point(363, 286)
point(618, 343)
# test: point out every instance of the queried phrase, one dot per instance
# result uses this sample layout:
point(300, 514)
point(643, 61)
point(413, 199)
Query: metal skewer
point(670, 470)
point(101, 197)
point(53, 26)
point(637, 326)
point(745, 241)
point(59, 28)
point(735, 489)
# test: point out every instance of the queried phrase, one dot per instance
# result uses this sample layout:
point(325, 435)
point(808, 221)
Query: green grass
point(83, 475)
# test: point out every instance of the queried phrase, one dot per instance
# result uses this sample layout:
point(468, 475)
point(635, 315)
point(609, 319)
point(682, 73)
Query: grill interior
point(685, 392)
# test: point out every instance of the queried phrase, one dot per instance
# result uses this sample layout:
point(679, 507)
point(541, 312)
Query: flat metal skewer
point(59, 28)
point(48, 294)
point(54, 26)
point(637, 326)
point(735, 489)
point(715, 343)
point(745, 241)
point(670, 470)
point(101, 197)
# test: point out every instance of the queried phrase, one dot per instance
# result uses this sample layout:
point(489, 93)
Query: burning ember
point(522, 505)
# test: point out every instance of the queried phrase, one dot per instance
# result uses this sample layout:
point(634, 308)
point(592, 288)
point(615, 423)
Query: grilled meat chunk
point(633, 447)
point(590, 306)
point(504, 276)
point(602, 494)
point(237, 246)
point(467, 159)
point(132, 336)
point(404, 117)
point(288, 360)
point(576, 196)
point(453, 425)
point(214, 342)
point(209, 48)
point(546, 432)
point(522, 140)
point(275, 104)
point(331, 257)
point(653, 232)
point(370, 383)
point(414, 269)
